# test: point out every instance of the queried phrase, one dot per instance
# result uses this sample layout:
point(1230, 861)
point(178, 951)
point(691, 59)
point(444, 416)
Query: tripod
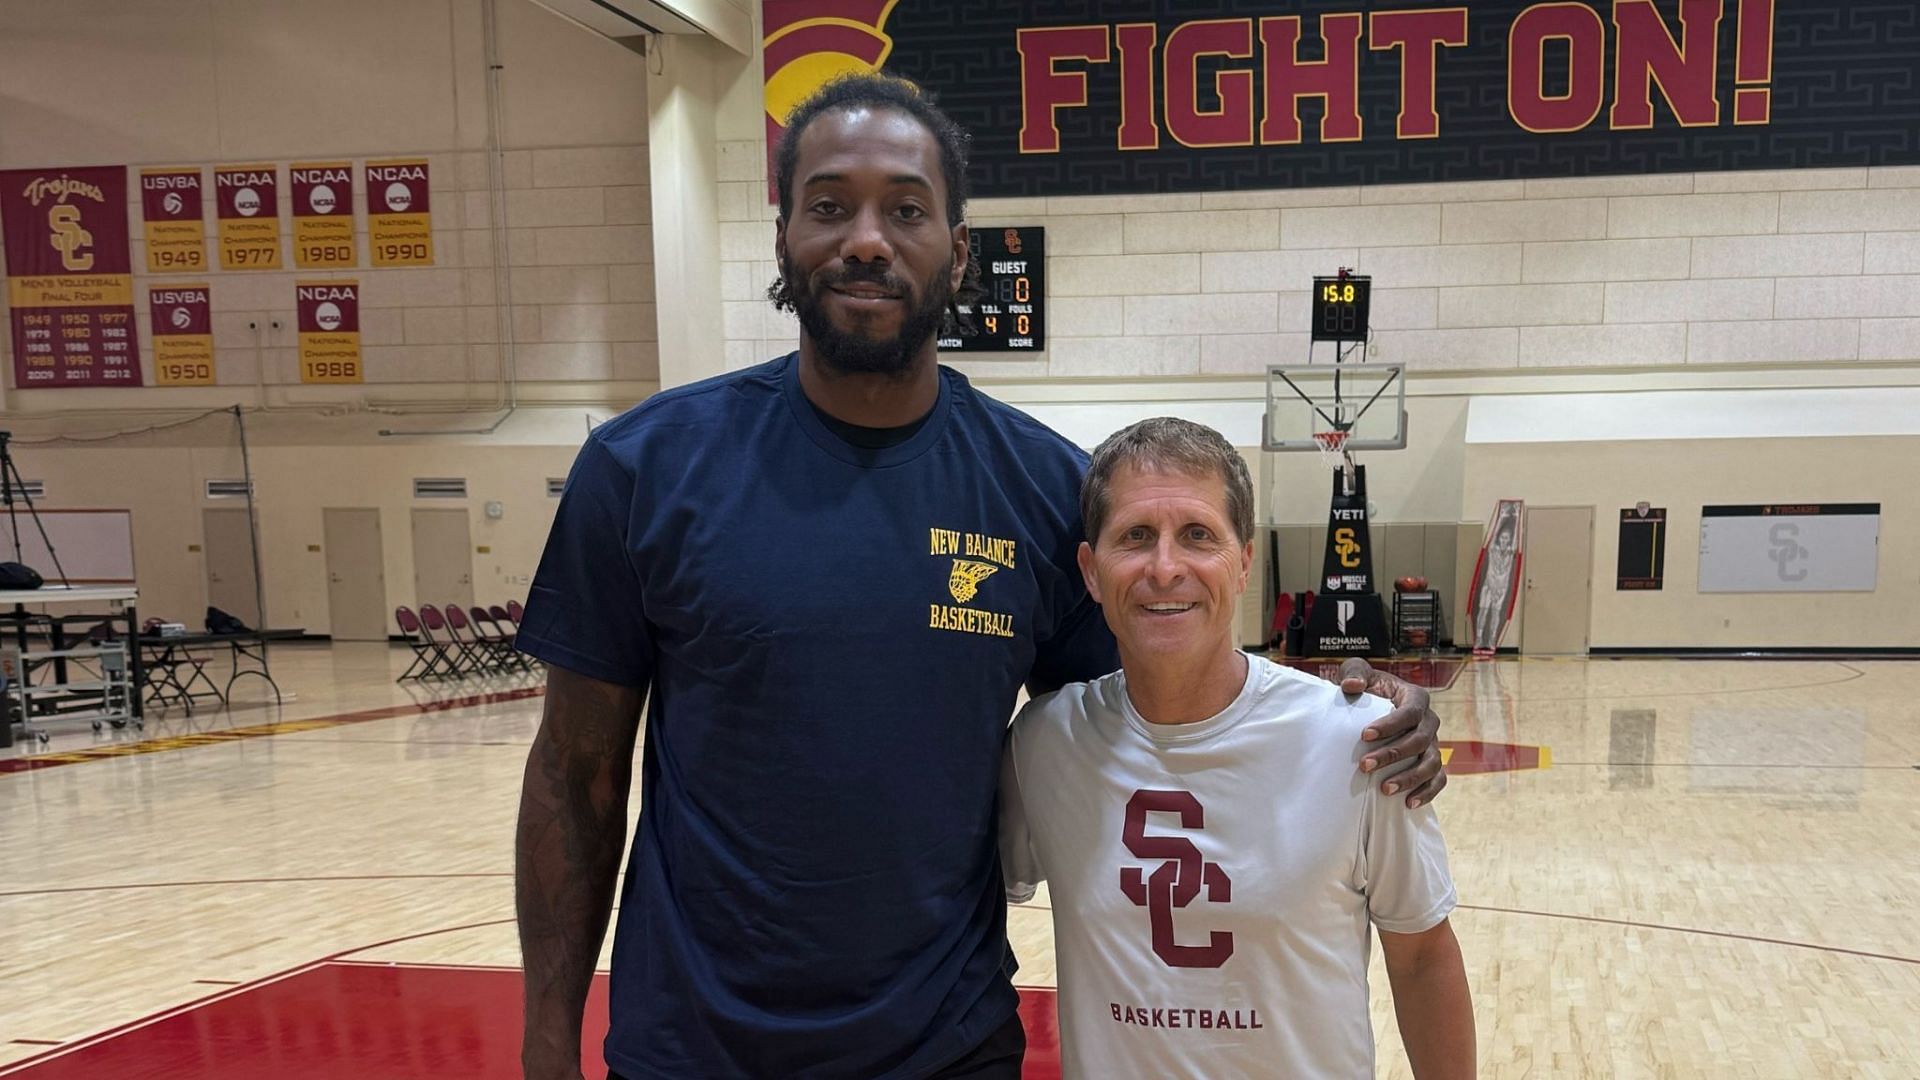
point(10, 482)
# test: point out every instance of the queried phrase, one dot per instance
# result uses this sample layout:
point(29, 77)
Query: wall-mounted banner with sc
point(1805, 547)
point(246, 199)
point(328, 315)
point(322, 215)
point(170, 204)
point(399, 213)
point(182, 334)
point(69, 277)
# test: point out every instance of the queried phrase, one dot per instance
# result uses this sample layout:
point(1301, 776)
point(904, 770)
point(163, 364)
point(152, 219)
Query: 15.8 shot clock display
point(1010, 316)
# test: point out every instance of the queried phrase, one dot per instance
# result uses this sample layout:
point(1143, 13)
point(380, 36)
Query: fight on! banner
point(170, 205)
point(399, 213)
point(247, 201)
point(182, 334)
point(69, 277)
point(1174, 96)
point(322, 215)
point(327, 314)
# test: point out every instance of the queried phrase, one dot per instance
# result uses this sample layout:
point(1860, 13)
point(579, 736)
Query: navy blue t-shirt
point(833, 637)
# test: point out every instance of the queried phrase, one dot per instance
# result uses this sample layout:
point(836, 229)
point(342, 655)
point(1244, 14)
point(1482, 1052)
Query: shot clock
point(1340, 308)
point(1010, 315)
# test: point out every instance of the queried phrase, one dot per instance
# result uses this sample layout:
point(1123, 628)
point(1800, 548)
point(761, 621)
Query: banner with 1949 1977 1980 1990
point(69, 277)
point(176, 232)
point(247, 201)
point(400, 212)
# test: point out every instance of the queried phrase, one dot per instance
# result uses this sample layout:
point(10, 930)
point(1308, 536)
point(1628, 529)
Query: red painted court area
point(371, 1022)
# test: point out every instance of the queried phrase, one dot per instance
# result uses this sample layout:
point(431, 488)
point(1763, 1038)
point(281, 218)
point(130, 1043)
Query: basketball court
point(1589, 402)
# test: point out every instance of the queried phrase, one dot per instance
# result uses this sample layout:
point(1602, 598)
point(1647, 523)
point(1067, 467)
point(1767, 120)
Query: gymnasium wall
point(206, 82)
point(1685, 475)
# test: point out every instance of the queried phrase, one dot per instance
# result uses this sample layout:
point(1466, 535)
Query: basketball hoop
point(1333, 447)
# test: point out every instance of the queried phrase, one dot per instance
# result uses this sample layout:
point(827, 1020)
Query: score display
point(1340, 308)
point(1010, 315)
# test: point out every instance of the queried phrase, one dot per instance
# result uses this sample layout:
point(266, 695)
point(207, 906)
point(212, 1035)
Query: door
point(1559, 580)
point(356, 575)
point(230, 567)
point(442, 558)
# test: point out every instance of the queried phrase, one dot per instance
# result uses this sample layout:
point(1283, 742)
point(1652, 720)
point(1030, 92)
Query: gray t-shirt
point(1212, 883)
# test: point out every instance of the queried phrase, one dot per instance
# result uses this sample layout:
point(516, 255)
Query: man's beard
point(856, 354)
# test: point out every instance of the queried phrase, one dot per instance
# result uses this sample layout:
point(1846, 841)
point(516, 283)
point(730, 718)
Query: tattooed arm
point(573, 824)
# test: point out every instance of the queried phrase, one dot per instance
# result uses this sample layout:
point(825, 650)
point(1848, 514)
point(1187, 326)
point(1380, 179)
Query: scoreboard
point(1341, 307)
point(1010, 315)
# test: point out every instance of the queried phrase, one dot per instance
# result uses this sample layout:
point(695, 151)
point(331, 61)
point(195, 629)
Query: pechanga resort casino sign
point(1122, 96)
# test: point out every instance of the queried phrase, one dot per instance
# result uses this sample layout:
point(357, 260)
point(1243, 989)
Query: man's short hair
point(877, 91)
point(1167, 444)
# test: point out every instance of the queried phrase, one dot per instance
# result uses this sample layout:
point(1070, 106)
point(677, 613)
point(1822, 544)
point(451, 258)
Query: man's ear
point(1246, 564)
point(780, 241)
point(962, 253)
point(1087, 571)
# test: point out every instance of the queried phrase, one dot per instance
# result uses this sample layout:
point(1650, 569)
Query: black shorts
point(998, 1057)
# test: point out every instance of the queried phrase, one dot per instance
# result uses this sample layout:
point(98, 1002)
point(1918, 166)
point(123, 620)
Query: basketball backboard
point(1366, 402)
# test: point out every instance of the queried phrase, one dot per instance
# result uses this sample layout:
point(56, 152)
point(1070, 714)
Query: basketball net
point(1334, 455)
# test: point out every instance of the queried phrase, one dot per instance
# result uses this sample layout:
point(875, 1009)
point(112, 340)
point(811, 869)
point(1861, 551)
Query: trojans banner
point(322, 215)
point(182, 334)
point(327, 314)
point(1171, 95)
point(69, 277)
point(246, 199)
point(170, 205)
point(399, 213)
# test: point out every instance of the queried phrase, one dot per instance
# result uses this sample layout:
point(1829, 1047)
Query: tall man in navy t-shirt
point(833, 572)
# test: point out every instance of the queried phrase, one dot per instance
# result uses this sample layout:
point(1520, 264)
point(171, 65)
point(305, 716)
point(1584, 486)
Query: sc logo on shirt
point(1178, 881)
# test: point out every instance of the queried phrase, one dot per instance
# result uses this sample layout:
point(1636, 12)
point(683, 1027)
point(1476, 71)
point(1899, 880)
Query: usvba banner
point(170, 205)
point(182, 334)
point(69, 277)
point(1159, 95)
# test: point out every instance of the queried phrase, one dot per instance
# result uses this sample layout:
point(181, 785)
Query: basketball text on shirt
point(976, 557)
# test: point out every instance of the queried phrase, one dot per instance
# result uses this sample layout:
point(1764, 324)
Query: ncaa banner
point(69, 277)
point(327, 314)
point(322, 215)
point(170, 206)
point(182, 334)
point(399, 213)
point(246, 199)
point(1167, 95)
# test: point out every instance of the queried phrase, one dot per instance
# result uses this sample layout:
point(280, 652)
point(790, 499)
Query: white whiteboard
point(1831, 547)
point(95, 546)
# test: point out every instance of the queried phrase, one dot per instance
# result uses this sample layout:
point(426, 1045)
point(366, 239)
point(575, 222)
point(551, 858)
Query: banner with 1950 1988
point(69, 277)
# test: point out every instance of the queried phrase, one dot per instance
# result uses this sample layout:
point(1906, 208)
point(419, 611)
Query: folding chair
point(430, 658)
point(468, 636)
point(517, 613)
point(465, 660)
point(498, 638)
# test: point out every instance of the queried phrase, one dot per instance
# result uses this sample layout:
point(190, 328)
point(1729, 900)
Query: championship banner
point(322, 215)
point(69, 277)
point(175, 221)
point(182, 334)
point(399, 213)
point(327, 314)
point(247, 201)
point(1171, 96)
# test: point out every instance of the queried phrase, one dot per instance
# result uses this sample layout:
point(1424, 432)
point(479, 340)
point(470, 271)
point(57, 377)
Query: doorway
point(230, 566)
point(442, 558)
point(356, 574)
point(1559, 581)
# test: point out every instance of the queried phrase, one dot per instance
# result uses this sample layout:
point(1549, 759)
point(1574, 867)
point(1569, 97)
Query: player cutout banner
point(1496, 577)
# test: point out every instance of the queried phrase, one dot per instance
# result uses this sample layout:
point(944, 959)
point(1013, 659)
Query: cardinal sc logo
point(1346, 548)
point(964, 581)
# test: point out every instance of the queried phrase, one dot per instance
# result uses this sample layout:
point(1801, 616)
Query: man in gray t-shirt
point(1213, 869)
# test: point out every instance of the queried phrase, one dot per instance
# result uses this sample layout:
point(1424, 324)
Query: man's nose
point(866, 238)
